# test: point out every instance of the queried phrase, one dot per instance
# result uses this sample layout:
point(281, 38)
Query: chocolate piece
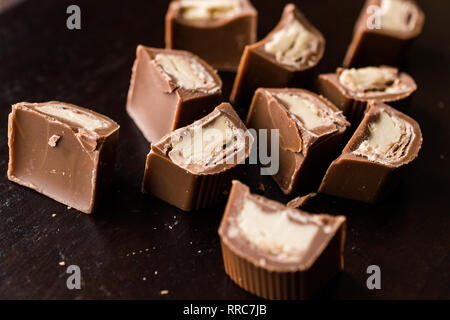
point(368, 168)
point(216, 30)
point(283, 58)
point(170, 89)
point(62, 151)
point(277, 252)
point(351, 89)
point(192, 167)
point(310, 129)
point(384, 30)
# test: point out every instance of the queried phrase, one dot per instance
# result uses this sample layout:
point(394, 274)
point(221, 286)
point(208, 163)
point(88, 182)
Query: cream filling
point(307, 112)
point(275, 232)
point(290, 44)
point(206, 145)
point(388, 139)
point(187, 72)
point(83, 120)
point(369, 78)
point(395, 13)
point(53, 140)
point(209, 9)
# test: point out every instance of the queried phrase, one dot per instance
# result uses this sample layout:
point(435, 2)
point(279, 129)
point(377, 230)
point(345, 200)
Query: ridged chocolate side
point(266, 284)
point(183, 189)
point(354, 111)
point(212, 188)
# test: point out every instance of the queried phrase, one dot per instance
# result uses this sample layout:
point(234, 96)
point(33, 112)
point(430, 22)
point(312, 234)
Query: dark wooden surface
point(120, 249)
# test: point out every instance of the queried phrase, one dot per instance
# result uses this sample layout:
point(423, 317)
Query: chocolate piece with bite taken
point(282, 59)
point(217, 30)
point(384, 30)
point(170, 89)
point(62, 151)
point(192, 167)
point(311, 130)
point(351, 89)
point(369, 166)
point(276, 252)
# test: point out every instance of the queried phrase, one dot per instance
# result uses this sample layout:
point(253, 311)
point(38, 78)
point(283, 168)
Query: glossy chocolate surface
point(159, 102)
point(259, 68)
point(360, 173)
point(62, 151)
point(304, 152)
point(189, 184)
point(305, 270)
point(376, 45)
point(91, 67)
point(397, 92)
point(218, 35)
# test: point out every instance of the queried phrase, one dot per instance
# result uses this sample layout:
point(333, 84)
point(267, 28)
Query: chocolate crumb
point(53, 140)
point(260, 186)
point(301, 201)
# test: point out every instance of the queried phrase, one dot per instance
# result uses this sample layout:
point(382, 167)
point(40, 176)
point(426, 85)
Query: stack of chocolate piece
point(199, 146)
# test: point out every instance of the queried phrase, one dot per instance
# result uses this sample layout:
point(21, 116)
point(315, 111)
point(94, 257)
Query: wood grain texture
point(137, 245)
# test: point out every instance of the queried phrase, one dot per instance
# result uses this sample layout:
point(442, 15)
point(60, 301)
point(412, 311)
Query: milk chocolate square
point(383, 32)
point(192, 167)
point(351, 89)
point(170, 89)
point(276, 252)
point(217, 30)
point(311, 130)
point(370, 164)
point(282, 59)
point(62, 151)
